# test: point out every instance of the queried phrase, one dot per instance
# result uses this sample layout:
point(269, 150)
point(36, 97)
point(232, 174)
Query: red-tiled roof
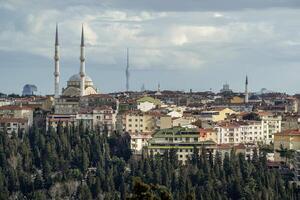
point(12, 107)
point(290, 132)
point(12, 120)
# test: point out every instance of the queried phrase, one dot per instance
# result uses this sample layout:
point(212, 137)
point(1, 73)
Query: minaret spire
point(158, 90)
point(82, 36)
point(127, 71)
point(56, 63)
point(246, 90)
point(82, 64)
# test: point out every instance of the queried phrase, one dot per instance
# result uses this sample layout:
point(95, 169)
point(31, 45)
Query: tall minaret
point(246, 90)
point(56, 62)
point(127, 71)
point(158, 90)
point(82, 64)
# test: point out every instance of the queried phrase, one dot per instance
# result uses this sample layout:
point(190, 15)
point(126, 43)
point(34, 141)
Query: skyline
point(179, 46)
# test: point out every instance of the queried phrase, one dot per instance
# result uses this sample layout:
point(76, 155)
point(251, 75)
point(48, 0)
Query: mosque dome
point(76, 77)
point(75, 81)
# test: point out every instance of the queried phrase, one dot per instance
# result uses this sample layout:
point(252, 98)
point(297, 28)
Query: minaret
point(158, 90)
point(82, 64)
point(246, 90)
point(127, 72)
point(56, 63)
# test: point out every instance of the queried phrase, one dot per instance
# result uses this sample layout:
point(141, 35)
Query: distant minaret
point(127, 71)
point(158, 87)
point(56, 63)
point(143, 88)
point(158, 90)
point(246, 90)
point(82, 64)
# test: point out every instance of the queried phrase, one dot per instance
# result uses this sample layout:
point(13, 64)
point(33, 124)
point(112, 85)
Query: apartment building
point(13, 111)
point(138, 141)
point(271, 124)
point(147, 103)
point(104, 119)
point(139, 122)
point(183, 140)
point(66, 105)
point(289, 139)
point(53, 120)
point(240, 132)
point(216, 114)
point(13, 125)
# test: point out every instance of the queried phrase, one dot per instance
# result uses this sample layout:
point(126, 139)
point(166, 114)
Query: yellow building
point(237, 100)
point(165, 122)
point(289, 139)
point(216, 115)
point(139, 122)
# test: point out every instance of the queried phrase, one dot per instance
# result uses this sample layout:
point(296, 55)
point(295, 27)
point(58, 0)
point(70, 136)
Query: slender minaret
point(82, 64)
point(56, 63)
point(158, 90)
point(127, 71)
point(246, 90)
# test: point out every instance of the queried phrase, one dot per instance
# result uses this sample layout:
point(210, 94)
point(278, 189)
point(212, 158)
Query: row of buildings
point(160, 120)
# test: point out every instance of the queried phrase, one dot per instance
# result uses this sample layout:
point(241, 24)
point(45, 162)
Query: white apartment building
point(138, 141)
point(247, 131)
point(271, 124)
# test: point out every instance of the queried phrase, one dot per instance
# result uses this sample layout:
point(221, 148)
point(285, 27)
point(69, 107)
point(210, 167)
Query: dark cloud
point(220, 41)
point(200, 5)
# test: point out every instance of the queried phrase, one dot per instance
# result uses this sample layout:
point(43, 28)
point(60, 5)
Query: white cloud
point(218, 15)
point(157, 40)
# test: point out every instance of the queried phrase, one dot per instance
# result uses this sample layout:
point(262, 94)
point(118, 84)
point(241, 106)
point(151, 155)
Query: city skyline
point(180, 47)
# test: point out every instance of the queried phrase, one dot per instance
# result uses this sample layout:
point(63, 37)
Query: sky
point(183, 45)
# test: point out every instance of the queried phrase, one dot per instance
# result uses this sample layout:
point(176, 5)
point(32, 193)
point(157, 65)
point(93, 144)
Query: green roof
point(149, 99)
point(176, 131)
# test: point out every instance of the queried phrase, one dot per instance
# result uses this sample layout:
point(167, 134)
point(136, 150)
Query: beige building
point(11, 111)
point(165, 122)
point(289, 139)
point(53, 120)
point(216, 115)
point(14, 125)
point(104, 119)
point(66, 105)
point(139, 122)
point(183, 121)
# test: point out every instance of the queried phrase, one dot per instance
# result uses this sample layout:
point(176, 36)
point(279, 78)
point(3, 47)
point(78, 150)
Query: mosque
point(79, 84)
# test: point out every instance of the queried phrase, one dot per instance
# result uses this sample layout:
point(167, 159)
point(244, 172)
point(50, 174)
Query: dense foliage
point(73, 163)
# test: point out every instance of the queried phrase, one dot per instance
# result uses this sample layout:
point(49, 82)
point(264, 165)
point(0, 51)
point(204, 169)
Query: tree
point(84, 193)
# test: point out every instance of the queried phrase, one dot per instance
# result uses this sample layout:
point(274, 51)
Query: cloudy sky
point(195, 44)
